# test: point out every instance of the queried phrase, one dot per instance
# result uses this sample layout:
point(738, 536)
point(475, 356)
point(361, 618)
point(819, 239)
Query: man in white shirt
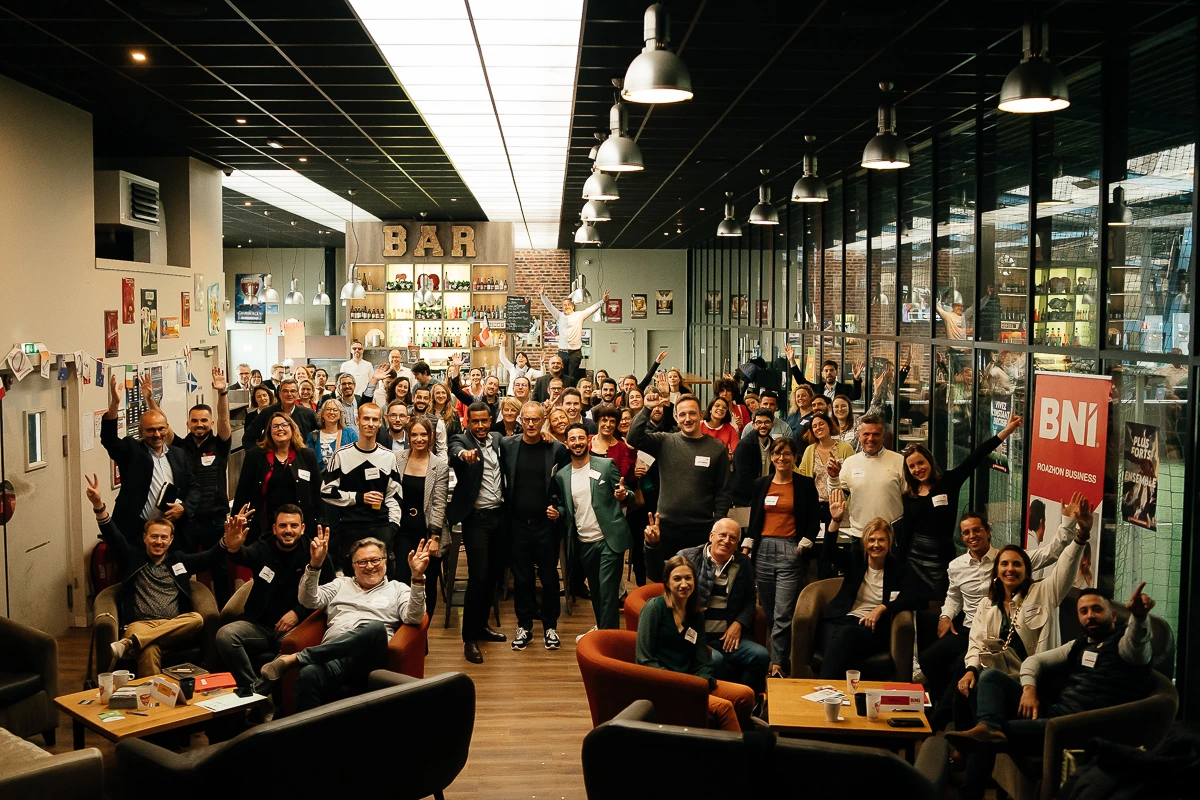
point(970, 579)
point(874, 478)
point(570, 331)
point(397, 368)
point(361, 614)
point(356, 366)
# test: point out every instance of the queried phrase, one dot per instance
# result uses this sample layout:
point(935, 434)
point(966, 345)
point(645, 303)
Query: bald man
point(156, 479)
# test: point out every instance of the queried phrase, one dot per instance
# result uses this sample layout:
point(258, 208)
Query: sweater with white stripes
point(351, 473)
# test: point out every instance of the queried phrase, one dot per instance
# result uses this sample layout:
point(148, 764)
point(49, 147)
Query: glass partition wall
point(1013, 245)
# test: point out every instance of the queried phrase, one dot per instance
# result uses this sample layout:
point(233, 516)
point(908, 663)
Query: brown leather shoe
point(471, 652)
point(981, 737)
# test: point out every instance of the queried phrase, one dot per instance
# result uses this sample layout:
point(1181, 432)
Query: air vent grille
point(143, 202)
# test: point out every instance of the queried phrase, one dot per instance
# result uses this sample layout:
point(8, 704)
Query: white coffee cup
point(106, 686)
point(873, 703)
point(853, 677)
point(121, 677)
point(833, 707)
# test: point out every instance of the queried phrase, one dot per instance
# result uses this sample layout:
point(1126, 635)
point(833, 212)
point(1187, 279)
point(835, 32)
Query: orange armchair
point(406, 651)
point(613, 681)
point(644, 594)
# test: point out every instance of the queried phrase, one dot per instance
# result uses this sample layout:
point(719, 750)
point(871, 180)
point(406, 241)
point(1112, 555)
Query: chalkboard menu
point(516, 314)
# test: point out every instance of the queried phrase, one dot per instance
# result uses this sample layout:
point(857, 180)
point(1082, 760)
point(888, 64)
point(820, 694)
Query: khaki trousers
point(150, 636)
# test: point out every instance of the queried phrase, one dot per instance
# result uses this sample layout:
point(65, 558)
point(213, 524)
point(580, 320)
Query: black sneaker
point(552, 640)
point(521, 639)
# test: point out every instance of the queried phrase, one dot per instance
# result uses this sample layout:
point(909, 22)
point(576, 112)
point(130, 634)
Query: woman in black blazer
point(280, 470)
point(783, 529)
point(857, 623)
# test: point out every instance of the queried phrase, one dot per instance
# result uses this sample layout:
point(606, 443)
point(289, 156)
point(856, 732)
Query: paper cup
point(873, 704)
point(833, 707)
point(853, 677)
point(106, 686)
point(145, 697)
point(121, 677)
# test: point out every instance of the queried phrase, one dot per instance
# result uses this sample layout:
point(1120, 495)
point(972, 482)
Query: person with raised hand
point(362, 613)
point(570, 332)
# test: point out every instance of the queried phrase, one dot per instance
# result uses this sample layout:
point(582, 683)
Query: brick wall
point(548, 268)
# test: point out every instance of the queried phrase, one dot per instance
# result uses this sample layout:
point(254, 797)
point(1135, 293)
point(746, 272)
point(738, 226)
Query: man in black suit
point(829, 386)
point(478, 503)
point(156, 480)
point(751, 459)
point(243, 381)
point(529, 463)
point(541, 389)
point(289, 396)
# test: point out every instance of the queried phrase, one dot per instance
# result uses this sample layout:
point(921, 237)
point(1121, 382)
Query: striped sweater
point(351, 473)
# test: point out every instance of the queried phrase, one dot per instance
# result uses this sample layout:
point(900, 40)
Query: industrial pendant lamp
point(1119, 214)
point(600, 186)
point(810, 188)
point(729, 226)
point(268, 293)
point(886, 150)
point(595, 211)
point(321, 299)
point(1035, 86)
point(587, 234)
point(294, 297)
point(619, 153)
point(353, 288)
point(764, 213)
point(657, 75)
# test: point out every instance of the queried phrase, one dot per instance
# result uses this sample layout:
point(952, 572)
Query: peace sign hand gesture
point(653, 531)
point(319, 548)
point(93, 491)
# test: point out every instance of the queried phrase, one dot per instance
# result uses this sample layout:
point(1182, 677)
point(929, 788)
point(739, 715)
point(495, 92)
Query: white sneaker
point(585, 633)
point(521, 639)
point(118, 649)
point(552, 640)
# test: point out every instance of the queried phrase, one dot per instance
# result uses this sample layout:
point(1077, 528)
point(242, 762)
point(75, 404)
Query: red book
point(216, 680)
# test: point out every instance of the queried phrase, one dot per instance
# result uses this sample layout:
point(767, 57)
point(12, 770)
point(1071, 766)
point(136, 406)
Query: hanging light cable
point(810, 188)
point(657, 75)
point(619, 153)
point(763, 212)
point(729, 226)
point(1035, 86)
point(294, 297)
point(886, 150)
point(353, 289)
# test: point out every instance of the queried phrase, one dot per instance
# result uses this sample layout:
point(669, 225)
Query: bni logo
point(1076, 420)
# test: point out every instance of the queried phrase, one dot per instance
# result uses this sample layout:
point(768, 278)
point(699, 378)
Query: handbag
point(1005, 660)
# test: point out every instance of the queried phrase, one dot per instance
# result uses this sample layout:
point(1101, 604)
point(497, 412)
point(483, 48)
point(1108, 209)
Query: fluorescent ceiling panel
point(290, 191)
point(509, 144)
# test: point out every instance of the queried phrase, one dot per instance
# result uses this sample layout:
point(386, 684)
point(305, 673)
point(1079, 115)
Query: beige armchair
point(27, 772)
point(893, 665)
point(108, 627)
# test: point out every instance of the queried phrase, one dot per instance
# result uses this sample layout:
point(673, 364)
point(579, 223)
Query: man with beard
point(829, 386)
point(423, 407)
point(554, 371)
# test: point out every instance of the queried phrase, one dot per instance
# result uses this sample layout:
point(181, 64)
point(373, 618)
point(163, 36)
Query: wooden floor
point(530, 718)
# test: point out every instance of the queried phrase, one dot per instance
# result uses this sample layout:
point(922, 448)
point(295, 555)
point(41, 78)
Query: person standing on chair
point(155, 598)
point(478, 503)
point(355, 366)
point(529, 463)
point(570, 332)
point(589, 497)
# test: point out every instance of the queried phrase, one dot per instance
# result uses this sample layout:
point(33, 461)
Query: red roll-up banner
point(1067, 455)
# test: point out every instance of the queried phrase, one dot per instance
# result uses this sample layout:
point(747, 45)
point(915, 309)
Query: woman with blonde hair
point(556, 424)
point(507, 422)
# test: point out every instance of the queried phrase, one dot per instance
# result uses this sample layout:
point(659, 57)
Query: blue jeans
point(779, 571)
point(746, 665)
point(996, 699)
point(328, 669)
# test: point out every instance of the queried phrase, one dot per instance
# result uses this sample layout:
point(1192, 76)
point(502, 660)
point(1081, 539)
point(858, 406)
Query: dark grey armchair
point(27, 772)
point(28, 681)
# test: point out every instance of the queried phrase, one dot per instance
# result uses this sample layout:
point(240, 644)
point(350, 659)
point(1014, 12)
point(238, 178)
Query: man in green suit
point(589, 496)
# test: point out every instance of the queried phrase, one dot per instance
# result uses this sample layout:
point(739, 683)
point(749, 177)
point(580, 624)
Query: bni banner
point(1070, 433)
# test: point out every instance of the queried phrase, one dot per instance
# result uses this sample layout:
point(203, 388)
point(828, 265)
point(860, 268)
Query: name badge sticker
point(772, 500)
point(1089, 658)
point(179, 569)
point(372, 473)
point(689, 636)
point(267, 574)
point(594, 474)
point(304, 474)
point(858, 473)
point(892, 597)
point(940, 500)
point(207, 460)
point(703, 461)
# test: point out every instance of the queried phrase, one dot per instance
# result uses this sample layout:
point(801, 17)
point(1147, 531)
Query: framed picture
point(214, 309)
point(185, 309)
point(612, 310)
point(637, 306)
point(664, 301)
point(168, 327)
point(549, 331)
point(149, 314)
point(763, 312)
point(712, 305)
point(127, 301)
point(111, 335)
point(246, 307)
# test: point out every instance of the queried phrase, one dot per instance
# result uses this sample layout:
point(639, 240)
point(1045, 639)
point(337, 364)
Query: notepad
point(227, 701)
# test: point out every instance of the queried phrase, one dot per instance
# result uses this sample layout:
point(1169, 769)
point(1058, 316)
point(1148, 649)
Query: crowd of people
point(349, 487)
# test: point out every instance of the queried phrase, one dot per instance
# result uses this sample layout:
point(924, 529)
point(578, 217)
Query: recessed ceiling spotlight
point(240, 120)
point(138, 56)
point(274, 143)
point(302, 158)
point(701, 208)
point(267, 213)
point(246, 203)
point(250, 241)
point(239, 245)
point(293, 222)
point(453, 199)
point(666, 233)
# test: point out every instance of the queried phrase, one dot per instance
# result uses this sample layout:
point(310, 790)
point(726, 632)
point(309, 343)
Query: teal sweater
point(663, 646)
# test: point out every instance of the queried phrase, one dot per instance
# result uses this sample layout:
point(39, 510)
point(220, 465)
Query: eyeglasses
point(369, 562)
point(531, 420)
point(281, 426)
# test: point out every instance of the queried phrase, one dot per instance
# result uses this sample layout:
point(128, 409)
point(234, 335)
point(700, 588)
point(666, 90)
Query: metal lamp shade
point(810, 189)
point(321, 299)
point(1034, 86)
point(600, 186)
point(268, 293)
point(657, 76)
point(595, 211)
point(764, 214)
point(619, 154)
point(587, 234)
point(885, 151)
point(729, 227)
point(294, 297)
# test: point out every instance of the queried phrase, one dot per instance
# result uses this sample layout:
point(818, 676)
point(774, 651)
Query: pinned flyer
point(64, 371)
point(100, 372)
point(19, 362)
point(44, 355)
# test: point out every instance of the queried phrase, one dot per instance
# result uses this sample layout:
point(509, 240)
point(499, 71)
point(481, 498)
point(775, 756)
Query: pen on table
point(138, 713)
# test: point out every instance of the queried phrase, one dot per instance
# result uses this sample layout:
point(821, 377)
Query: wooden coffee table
point(792, 715)
point(156, 720)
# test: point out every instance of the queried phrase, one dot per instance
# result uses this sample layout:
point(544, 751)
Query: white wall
point(624, 273)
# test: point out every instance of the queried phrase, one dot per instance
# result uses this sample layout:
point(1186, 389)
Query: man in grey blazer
point(589, 497)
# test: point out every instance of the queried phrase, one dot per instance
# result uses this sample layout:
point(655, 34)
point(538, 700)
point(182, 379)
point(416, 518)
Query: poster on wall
point(612, 310)
point(127, 301)
point(111, 335)
point(664, 301)
point(637, 306)
point(549, 332)
point(149, 314)
point(1001, 411)
point(1070, 432)
point(168, 327)
point(214, 309)
point(246, 307)
point(712, 303)
point(185, 309)
point(763, 312)
point(1139, 488)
